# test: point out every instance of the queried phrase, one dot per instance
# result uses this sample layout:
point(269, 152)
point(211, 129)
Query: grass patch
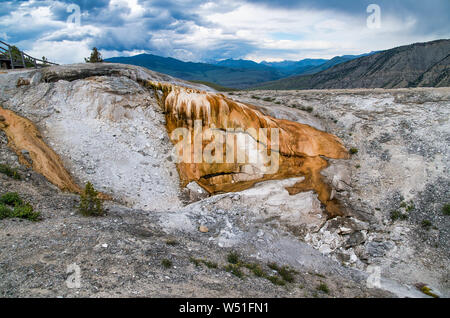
point(323, 288)
point(409, 207)
point(197, 262)
point(446, 209)
point(353, 151)
point(256, 97)
point(286, 273)
point(397, 215)
point(210, 264)
point(12, 206)
point(10, 172)
point(172, 242)
point(235, 270)
point(426, 224)
point(166, 263)
point(428, 291)
point(255, 269)
point(283, 276)
point(233, 258)
point(276, 280)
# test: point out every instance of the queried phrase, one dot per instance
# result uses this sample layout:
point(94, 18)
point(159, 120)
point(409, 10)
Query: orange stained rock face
point(23, 136)
point(299, 148)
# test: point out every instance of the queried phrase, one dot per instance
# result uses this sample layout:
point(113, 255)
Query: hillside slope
point(416, 65)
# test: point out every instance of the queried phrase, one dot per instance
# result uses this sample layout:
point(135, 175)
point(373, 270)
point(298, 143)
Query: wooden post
point(11, 57)
point(23, 60)
point(35, 64)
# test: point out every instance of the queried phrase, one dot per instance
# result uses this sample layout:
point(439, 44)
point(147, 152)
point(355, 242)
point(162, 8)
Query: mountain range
point(230, 73)
point(415, 65)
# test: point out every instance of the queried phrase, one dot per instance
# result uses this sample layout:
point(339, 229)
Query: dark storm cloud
point(431, 15)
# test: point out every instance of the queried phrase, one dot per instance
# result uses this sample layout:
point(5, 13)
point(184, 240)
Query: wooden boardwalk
point(11, 58)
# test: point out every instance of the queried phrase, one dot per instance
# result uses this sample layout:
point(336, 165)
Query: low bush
point(12, 206)
point(11, 198)
point(10, 172)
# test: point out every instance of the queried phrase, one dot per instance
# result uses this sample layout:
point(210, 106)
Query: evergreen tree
point(90, 204)
point(96, 57)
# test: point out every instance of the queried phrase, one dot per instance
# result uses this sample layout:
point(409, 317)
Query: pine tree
point(96, 57)
point(90, 204)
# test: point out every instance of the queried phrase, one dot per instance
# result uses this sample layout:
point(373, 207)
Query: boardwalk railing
point(11, 57)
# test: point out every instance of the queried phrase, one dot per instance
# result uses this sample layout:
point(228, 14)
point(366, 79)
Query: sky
point(65, 31)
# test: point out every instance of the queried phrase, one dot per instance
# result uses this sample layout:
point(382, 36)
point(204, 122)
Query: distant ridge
point(416, 65)
point(229, 73)
point(220, 75)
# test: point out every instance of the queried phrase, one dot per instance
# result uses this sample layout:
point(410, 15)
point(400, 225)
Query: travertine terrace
point(325, 212)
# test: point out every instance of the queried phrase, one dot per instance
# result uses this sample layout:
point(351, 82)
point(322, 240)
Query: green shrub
point(90, 203)
point(26, 212)
point(11, 198)
point(353, 151)
point(446, 209)
point(9, 172)
point(20, 209)
point(5, 212)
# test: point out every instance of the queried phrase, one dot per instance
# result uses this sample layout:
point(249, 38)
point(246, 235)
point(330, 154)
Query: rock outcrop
point(299, 149)
point(33, 152)
point(236, 128)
